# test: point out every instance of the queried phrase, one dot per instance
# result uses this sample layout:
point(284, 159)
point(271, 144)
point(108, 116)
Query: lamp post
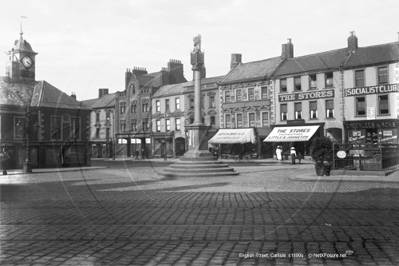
point(27, 167)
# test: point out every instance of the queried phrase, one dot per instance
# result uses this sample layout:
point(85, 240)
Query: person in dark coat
point(4, 158)
point(165, 155)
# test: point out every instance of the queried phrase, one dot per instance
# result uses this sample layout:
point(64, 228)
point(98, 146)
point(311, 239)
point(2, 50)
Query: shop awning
point(291, 134)
point(230, 136)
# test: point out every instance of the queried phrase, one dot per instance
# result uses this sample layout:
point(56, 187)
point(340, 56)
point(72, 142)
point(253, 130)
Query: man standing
point(4, 157)
point(279, 153)
point(293, 155)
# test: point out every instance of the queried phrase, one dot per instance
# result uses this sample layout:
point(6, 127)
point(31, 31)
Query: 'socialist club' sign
point(308, 95)
point(387, 88)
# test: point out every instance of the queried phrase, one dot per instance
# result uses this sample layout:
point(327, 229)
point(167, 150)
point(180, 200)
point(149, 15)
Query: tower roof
point(22, 45)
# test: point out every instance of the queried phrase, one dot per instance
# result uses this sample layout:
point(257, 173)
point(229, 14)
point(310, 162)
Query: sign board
point(341, 154)
point(291, 134)
point(230, 136)
point(387, 88)
point(308, 95)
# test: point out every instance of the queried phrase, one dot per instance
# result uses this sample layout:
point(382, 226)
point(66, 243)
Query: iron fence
point(366, 157)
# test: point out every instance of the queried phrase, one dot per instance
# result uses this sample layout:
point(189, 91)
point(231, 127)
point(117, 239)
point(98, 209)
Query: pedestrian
point(279, 153)
point(4, 157)
point(165, 155)
point(142, 154)
point(293, 155)
point(299, 156)
point(217, 153)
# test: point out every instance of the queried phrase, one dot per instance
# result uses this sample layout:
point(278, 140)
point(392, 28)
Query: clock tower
point(21, 61)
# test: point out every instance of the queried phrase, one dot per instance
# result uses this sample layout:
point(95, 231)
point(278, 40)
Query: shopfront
point(299, 137)
point(372, 131)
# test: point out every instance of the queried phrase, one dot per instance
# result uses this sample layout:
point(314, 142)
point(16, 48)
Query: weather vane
point(22, 17)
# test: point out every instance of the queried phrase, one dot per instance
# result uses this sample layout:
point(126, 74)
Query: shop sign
point(291, 134)
point(387, 133)
point(374, 124)
point(308, 95)
point(388, 88)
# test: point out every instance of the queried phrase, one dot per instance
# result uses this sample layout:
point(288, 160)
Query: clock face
point(27, 61)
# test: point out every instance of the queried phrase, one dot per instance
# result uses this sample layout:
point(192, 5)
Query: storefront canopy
point(291, 134)
point(230, 136)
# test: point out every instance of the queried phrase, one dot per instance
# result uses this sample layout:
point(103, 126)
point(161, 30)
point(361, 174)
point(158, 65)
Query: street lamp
point(27, 167)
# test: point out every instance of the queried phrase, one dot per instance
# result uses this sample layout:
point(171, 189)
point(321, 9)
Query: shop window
point(19, 127)
point(297, 84)
point(329, 80)
point(329, 108)
point(313, 109)
point(359, 78)
point(265, 93)
point(167, 122)
point(226, 96)
point(177, 103)
point(158, 126)
point(158, 106)
point(283, 112)
point(177, 124)
point(361, 106)
point(265, 119)
point(383, 104)
point(283, 85)
point(239, 120)
point(251, 95)
point(167, 108)
point(298, 110)
point(313, 81)
point(382, 75)
point(251, 119)
point(238, 95)
point(227, 119)
point(55, 127)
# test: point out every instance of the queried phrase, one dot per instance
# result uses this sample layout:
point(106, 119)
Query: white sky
point(86, 45)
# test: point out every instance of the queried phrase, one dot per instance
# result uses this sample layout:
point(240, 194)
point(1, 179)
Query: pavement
point(122, 213)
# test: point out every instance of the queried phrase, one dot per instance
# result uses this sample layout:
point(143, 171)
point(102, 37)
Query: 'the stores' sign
point(387, 88)
point(308, 95)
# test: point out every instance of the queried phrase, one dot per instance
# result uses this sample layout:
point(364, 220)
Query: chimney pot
point(352, 42)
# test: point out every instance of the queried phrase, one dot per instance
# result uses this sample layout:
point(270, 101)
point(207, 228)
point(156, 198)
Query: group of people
point(293, 153)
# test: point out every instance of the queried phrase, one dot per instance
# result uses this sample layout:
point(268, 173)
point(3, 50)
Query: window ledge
point(383, 115)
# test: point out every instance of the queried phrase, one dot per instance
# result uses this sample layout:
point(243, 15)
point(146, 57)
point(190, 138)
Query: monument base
point(27, 168)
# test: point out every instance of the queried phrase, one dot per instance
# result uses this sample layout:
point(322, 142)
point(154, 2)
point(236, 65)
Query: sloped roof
point(46, 95)
point(173, 89)
point(308, 63)
point(210, 80)
point(107, 100)
point(252, 70)
point(375, 54)
point(22, 45)
point(12, 93)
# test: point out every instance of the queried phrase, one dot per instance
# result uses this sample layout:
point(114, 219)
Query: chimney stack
point(287, 50)
point(352, 42)
point(235, 60)
point(128, 75)
point(73, 95)
point(176, 74)
point(102, 92)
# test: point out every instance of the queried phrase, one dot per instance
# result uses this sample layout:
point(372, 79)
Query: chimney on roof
point(352, 42)
point(102, 92)
point(287, 50)
point(176, 73)
point(138, 71)
point(235, 60)
point(73, 95)
point(128, 75)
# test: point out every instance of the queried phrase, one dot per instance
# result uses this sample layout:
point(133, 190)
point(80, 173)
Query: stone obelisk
point(197, 161)
point(197, 140)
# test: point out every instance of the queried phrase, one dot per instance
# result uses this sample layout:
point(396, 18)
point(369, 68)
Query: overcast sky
point(86, 45)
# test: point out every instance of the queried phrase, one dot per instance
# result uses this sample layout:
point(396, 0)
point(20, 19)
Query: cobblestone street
point(127, 215)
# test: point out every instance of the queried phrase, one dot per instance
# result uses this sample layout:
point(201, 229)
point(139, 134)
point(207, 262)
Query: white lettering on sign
point(372, 90)
point(309, 95)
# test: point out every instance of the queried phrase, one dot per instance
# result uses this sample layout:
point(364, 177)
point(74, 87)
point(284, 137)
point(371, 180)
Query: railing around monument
point(366, 157)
